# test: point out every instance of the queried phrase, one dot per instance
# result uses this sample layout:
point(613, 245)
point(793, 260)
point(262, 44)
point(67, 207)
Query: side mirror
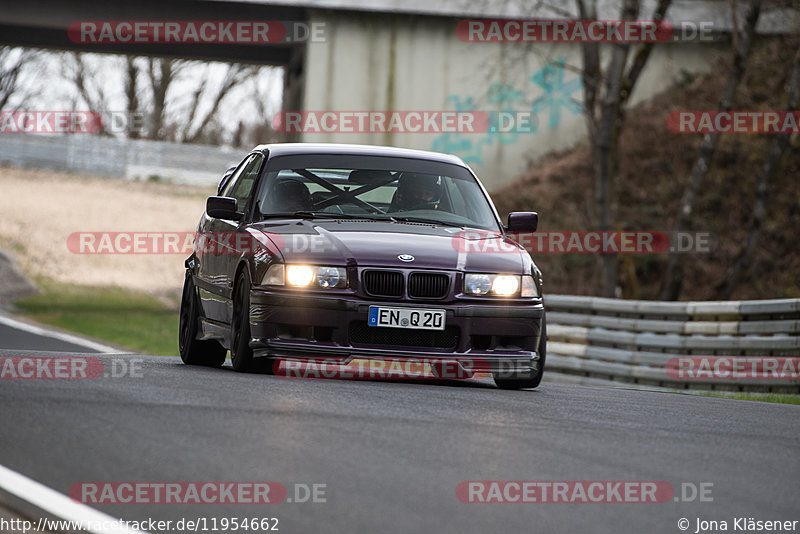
point(522, 221)
point(223, 208)
point(225, 179)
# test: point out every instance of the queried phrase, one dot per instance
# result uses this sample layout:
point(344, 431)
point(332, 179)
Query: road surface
point(391, 454)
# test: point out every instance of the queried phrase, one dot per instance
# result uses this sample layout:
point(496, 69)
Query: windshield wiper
point(428, 221)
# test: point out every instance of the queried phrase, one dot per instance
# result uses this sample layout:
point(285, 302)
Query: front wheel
point(194, 351)
point(241, 353)
point(528, 380)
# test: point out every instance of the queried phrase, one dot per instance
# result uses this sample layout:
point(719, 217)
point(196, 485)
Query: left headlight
point(498, 285)
point(306, 276)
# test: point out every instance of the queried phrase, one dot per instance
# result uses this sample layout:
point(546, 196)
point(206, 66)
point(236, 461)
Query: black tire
point(194, 351)
point(528, 380)
point(241, 353)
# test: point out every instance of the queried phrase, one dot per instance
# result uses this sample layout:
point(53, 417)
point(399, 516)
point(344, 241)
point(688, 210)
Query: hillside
point(654, 171)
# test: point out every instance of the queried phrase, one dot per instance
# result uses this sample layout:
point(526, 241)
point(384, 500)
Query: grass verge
point(122, 317)
point(763, 397)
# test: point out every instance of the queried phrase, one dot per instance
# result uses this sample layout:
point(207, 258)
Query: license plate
point(416, 318)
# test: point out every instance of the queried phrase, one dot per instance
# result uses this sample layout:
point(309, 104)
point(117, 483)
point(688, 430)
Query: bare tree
point(262, 130)
point(235, 75)
point(259, 93)
point(776, 153)
point(91, 87)
point(237, 140)
point(174, 97)
point(160, 74)
point(132, 97)
point(12, 63)
point(605, 95)
point(673, 277)
point(82, 73)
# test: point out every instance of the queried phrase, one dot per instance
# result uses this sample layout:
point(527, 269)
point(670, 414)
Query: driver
point(416, 191)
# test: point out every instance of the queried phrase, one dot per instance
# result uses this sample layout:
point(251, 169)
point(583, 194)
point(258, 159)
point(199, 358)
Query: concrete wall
point(400, 62)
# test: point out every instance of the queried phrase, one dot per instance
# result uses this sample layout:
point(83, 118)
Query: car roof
point(293, 149)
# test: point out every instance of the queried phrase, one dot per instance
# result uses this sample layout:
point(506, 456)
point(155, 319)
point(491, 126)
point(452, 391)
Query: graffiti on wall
point(557, 95)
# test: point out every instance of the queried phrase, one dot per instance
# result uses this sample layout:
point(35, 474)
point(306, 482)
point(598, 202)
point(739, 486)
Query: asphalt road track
point(21, 335)
point(13, 338)
point(392, 453)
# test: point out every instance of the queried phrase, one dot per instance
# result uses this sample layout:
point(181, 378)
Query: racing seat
point(289, 195)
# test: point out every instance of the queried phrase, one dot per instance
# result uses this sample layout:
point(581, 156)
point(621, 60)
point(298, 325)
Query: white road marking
point(75, 340)
point(61, 506)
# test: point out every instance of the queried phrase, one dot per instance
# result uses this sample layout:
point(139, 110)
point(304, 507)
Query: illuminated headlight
point(299, 275)
point(500, 285)
point(505, 286)
point(306, 276)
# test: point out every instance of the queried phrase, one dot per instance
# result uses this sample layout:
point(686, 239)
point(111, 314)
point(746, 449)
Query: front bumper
point(492, 337)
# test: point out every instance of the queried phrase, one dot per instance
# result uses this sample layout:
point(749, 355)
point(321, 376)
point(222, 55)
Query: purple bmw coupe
point(337, 253)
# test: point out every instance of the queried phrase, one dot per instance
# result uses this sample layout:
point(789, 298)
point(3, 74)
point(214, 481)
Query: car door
point(228, 256)
point(214, 253)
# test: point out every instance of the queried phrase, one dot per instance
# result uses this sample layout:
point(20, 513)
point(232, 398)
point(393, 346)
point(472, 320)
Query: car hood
point(380, 244)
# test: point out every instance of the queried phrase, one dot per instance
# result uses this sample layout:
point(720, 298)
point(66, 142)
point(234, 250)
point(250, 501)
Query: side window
point(226, 189)
point(241, 185)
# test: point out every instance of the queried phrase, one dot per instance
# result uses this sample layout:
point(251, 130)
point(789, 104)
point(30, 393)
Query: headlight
point(500, 285)
point(477, 284)
point(299, 275)
point(505, 286)
point(306, 276)
point(331, 276)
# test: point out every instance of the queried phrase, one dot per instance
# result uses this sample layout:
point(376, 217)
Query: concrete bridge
point(405, 55)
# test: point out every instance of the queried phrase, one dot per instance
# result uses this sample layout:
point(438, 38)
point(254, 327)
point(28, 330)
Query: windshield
point(447, 195)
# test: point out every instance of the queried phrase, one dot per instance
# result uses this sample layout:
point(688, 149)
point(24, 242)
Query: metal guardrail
point(595, 340)
point(123, 158)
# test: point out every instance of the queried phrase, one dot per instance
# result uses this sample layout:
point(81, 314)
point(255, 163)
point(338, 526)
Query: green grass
point(763, 397)
point(129, 319)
